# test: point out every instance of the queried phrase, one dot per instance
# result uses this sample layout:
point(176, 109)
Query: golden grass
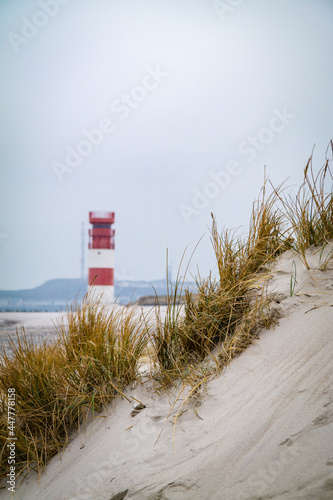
point(94, 359)
point(214, 312)
point(102, 347)
point(99, 350)
point(310, 213)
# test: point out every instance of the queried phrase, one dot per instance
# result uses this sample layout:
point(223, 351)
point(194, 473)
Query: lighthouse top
point(101, 217)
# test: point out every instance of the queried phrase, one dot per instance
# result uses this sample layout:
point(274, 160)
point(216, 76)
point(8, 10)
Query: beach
point(38, 326)
point(166, 241)
point(262, 429)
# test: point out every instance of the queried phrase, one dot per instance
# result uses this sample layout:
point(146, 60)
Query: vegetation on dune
point(98, 350)
point(56, 385)
point(309, 214)
point(222, 305)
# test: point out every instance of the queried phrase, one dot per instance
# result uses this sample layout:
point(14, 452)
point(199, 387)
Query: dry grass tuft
point(56, 385)
point(310, 213)
point(214, 312)
point(102, 347)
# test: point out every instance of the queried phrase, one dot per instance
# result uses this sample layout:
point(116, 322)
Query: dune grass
point(98, 350)
point(44, 413)
point(310, 213)
point(56, 385)
point(101, 349)
point(216, 310)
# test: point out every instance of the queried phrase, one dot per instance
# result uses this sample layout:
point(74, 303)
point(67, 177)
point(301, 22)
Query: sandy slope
point(263, 429)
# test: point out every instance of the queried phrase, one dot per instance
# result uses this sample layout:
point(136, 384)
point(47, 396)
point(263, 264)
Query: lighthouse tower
point(101, 255)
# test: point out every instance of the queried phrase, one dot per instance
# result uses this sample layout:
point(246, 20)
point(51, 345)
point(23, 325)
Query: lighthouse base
point(104, 294)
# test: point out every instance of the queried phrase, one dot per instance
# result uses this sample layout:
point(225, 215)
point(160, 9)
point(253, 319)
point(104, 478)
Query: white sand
point(265, 428)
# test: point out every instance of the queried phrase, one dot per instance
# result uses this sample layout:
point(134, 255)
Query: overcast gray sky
point(160, 110)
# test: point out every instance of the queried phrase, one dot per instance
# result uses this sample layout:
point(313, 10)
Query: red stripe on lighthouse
point(101, 276)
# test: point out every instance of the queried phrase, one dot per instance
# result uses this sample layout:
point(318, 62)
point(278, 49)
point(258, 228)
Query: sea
point(37, 326)
point(44, 326)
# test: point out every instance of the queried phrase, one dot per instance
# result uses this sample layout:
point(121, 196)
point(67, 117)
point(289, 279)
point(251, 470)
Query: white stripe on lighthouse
point(104, 293)
point(101, 258)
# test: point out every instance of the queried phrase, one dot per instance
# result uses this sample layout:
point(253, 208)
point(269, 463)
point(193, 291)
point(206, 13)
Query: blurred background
point(162, 111)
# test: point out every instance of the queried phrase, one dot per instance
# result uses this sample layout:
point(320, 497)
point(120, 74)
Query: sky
point(163, 111)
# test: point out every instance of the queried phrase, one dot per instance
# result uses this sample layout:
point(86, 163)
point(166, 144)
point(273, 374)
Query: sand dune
point(263, 429)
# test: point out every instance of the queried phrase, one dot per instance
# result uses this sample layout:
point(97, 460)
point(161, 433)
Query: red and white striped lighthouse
point(101, 255)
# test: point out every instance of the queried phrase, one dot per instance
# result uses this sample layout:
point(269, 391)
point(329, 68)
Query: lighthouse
point(101, 255)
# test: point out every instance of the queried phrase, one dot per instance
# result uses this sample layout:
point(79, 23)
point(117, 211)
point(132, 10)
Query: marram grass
point(98, 350)
point(309, 215)
point(95, 357)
